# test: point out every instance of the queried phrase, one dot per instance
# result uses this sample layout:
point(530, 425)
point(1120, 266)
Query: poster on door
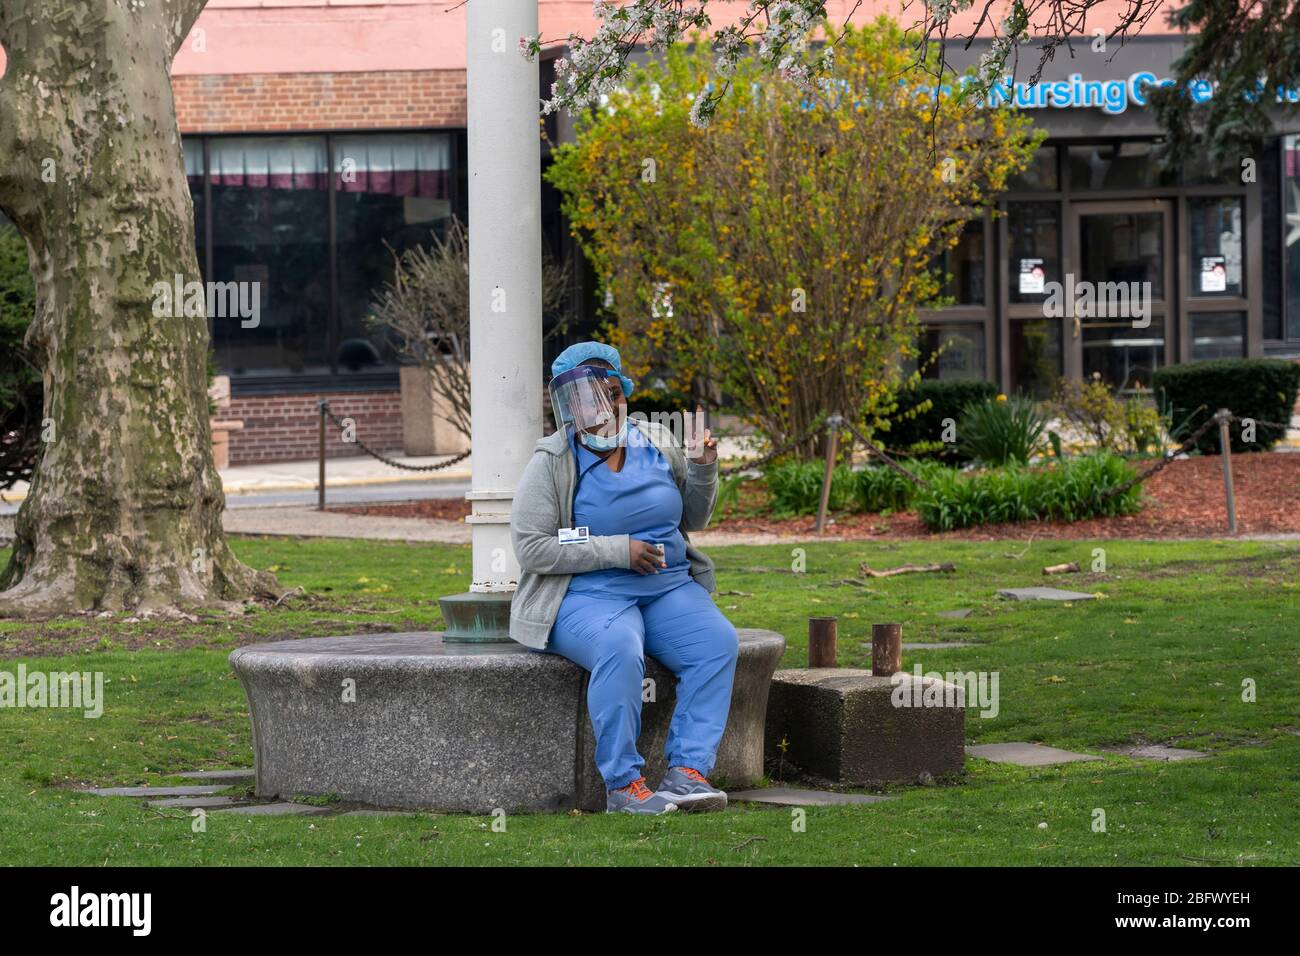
point(1214, 274)
point(1032, 276)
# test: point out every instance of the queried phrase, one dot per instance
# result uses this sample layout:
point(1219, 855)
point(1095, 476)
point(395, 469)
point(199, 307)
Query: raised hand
point(701, 446)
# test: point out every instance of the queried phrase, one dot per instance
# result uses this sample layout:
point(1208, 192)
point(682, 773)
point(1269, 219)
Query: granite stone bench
point(406, 720)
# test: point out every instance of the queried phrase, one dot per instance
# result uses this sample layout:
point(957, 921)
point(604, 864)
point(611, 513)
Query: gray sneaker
point(690, 791)
point(636, 797)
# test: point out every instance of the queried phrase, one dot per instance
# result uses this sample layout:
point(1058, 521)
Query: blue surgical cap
point(581, 352)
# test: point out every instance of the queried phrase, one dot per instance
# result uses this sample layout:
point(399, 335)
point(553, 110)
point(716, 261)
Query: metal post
point(886, 649)
point(832, 444)
point(320, 476)
point(823, 641)
point(505, 302)
point(1225, 452)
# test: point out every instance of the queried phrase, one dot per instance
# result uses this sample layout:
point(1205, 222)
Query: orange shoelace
point(638, 790)
point(696, 776)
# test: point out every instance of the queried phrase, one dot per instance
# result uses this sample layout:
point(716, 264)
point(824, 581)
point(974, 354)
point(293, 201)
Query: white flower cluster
point(942, 10)
point(595, 68)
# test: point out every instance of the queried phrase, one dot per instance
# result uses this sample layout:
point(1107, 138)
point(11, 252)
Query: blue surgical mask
point(605, 442)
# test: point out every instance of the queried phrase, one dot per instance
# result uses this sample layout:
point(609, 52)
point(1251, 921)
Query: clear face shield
point(586, 398)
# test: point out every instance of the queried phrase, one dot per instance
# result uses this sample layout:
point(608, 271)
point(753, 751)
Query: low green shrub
point(1072, 490)
point(1262, 389)
point(1129, 426)
point(1002, 430)
point(916, 426)
point(796, 487)
point(881, 488)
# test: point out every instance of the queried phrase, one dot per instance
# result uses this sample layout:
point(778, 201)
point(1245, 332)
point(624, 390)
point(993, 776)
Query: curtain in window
point(193, 149)
point(396, 165)
point(280, 163)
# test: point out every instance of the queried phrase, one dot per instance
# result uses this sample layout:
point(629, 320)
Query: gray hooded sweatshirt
point(543, 504)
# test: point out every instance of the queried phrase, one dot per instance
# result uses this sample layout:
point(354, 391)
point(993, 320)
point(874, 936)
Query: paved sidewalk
point(339, 473)
point(351, 472)
point(306, 522)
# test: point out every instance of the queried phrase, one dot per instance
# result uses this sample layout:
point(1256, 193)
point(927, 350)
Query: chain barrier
point(1187, 445)
point(324, 407)
point(774, 453)
point(879, 453)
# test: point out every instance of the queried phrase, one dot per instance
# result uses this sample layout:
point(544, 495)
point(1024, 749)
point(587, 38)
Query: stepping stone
point(277, 810)
point(1026, 754)
point(379, 813)
point(201, 802)
point(796, 797)
point(1044, 594)
point(234, 776)
point(1160, 752)
point(937, 646)
point(955, 615)
point(194, 791)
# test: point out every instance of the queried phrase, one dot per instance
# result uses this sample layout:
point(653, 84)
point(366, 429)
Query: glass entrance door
point(1119, 292)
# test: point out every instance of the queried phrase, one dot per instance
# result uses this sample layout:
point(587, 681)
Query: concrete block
point(426, 426)
point(842, 725)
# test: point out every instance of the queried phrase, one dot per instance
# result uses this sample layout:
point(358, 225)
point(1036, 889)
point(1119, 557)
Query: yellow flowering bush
point(779, 256)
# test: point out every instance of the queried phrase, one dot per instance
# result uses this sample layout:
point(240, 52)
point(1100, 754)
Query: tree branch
point(184, 13)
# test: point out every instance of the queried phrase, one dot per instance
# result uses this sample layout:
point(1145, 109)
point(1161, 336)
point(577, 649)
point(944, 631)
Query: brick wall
point(264, 102)
point(286, 427)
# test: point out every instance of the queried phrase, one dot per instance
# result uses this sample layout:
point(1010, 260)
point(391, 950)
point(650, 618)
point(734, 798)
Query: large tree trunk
point(125, 508)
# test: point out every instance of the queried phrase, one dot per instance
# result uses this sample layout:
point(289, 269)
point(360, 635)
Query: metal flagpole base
point(475, 617)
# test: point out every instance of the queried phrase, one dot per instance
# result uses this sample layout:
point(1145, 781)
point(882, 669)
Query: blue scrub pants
point(685, 632)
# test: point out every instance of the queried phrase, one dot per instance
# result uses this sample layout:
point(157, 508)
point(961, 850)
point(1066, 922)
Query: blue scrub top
point(643, 501)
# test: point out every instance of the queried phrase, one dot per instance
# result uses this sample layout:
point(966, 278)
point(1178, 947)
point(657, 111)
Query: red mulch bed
point(1185, 500)
point(437, 509)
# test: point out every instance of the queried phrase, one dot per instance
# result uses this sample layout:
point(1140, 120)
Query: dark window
point(270, 225)
point(319, 246)
point(193, 150)
point(1040, 175)
point(1123, 356)
point(1123, 247)
point(1120, 165)
point(1035, 356)
point(960, 351)
point(961, 267)
point(1273, 233)
point(1201, 171)
point(1218, 335)
point(1216, 248)
point(1034, 248)
point(391, 192)
point(1291, 239)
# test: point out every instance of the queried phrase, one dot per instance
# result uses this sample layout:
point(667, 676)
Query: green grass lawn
point(1161, 657)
